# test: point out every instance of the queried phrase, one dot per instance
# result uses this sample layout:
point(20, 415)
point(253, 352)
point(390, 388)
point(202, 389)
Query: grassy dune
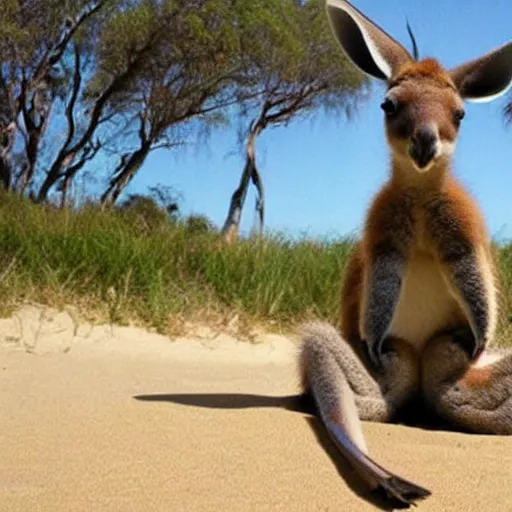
point(131, 265)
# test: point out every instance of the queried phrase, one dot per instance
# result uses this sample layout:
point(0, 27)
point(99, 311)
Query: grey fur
point(330, 365)
point(383, 292)
point(345, 388)
point(345, 392)
point(467, 279)
point(484, 409)
point(459, 257)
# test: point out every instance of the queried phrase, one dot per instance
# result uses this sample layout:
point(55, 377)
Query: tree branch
point(70, 107)
point(115, 86)
point(53, 55)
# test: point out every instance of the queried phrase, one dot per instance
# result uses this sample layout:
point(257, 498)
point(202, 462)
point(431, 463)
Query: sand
point(118, 419)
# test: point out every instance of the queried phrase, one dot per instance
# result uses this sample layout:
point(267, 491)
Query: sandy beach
point(118, 419)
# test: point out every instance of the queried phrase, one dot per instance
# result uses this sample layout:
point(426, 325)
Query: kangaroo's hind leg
point(472, 395)
point(346, 392)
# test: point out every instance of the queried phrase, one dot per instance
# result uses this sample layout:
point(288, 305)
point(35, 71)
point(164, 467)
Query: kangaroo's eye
point(390, 107)
point(458, 116)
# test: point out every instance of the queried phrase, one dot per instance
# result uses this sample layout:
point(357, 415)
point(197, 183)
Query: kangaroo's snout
point(423, 147)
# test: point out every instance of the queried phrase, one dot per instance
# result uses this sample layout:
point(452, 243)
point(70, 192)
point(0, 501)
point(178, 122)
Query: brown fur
point(399, 213)
point(418, 302)
point(351, 296)
point(476, 378)
point(428, 68)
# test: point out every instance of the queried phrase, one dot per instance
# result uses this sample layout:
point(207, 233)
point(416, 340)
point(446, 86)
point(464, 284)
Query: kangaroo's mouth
point(423, 148)
point(423, 159)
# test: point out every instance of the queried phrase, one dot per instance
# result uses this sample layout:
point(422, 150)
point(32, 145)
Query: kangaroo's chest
point(426, 303)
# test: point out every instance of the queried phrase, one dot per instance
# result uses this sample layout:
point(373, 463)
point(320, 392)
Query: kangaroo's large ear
point(368, 46)
point(486, 78)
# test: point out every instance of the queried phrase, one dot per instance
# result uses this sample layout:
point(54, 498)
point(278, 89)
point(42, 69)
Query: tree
point(191, 75)
point(296, 64)
point(84, 78)
point(107, 66)
point(153, 210)
point(98, 93)
point(35, 38)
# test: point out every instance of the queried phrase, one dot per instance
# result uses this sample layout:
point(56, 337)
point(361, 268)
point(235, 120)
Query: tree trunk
point(5, 173)
point(64, 189)
point(250, 173)
point(31, 152)
point(69, 149)
point(7, 136)
point(124, 174)
point(52, 177)
point(260, 199)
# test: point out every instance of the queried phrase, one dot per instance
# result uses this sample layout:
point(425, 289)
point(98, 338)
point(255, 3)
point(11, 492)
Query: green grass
point(135, 267)
point(126, 266)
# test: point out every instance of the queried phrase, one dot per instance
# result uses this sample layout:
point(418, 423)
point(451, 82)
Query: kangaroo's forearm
point(468, 279)
point(462, 250)
point(384, 281)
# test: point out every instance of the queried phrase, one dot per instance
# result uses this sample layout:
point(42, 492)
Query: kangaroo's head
point(424, 103)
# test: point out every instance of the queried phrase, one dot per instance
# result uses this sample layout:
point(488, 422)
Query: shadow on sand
point(295, 403)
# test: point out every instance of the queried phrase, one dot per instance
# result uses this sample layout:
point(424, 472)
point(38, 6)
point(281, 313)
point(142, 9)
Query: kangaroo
point(419, 302)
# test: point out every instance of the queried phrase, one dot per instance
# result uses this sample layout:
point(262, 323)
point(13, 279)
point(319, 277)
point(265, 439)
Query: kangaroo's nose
point(423, 146)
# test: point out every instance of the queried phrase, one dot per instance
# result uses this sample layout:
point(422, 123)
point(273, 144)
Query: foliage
point(298, 68)
point(143, 211)
point(94, 79)
point(298, 65)
point(199, 224)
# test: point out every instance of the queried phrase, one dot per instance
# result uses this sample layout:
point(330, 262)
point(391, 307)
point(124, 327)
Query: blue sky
point(320, 175)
